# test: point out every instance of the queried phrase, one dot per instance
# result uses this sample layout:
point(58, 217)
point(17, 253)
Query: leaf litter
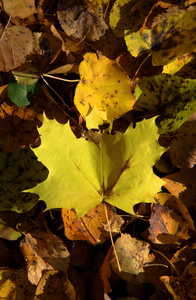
point(104, 156)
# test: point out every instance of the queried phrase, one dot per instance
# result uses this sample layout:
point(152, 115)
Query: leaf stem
point(8, 20)
point(171, 264)
point(66, 80)
point(116, 256)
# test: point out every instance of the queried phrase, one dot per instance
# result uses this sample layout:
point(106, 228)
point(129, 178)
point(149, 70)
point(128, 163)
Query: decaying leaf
point(19, 170)
point(167, 226)
point(92, 226)
point(20, 8)
point(183, 146)
point(128, 14)
point(14, 284)
point(153, 35)
point(180, 64)
point(15, 44)
point(107, 171)
point(161, 93)
point(94, 4)
point(54, 285)
point(176, 43)
point(105, 84)
point(132, 254)
point(81, 22)
point(175, 204)
point(43, 251)
point(182, 185)
point(87, 227)
point(183, 287)
point(101, 284)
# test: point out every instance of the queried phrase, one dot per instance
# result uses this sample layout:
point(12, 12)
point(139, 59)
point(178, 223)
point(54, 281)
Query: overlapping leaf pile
point(105, 146)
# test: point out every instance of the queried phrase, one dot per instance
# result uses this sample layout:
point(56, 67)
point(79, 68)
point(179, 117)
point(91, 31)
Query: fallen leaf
point(114, 177)
point(167, 226)
point(183, 287)
point(20, 8)
point(179, 64)
point(132, 254)
point(175, 204)
point(43, 251)
point(153, 35)
point(19, 170)
point(91, 226)
point(54, 285)
point(182, 257)
point(161, 93)
point(101, 284)
point(160, 12)
point(79, 21)
point(14, 285)
point(182, 185)
point(87, 227)
point(19, 94)
point(127, 14)
point(15, 44)
point(94, 4)
point(177, 42)
point(105, 84)
point(183, 146)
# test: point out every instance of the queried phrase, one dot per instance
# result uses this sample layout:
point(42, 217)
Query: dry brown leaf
point(182, 258)
point(167, 226)
point(88, 227)
point(183, 185)
point(21, 8)
point(15, 44)
point(184, 287)
point(183, 147)
point(54, 285)
point(101, 284)
point(43, 251)
point(79, 21)
point(15, 285)
point(174, 203)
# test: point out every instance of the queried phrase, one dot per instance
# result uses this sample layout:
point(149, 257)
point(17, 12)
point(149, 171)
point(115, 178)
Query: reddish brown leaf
point(101, 284)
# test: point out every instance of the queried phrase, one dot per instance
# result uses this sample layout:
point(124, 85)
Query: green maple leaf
point(82, 174)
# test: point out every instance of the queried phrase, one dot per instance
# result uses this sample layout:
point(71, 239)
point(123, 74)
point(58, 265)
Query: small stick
point(116, 256)
point(8, 20)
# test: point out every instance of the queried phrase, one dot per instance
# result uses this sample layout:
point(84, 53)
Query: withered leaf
point(15, 44)
point(43, 251)
point(79, 21)
point(167, 226)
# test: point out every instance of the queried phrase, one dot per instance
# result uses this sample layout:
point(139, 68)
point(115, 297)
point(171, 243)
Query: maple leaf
point(82, 174)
